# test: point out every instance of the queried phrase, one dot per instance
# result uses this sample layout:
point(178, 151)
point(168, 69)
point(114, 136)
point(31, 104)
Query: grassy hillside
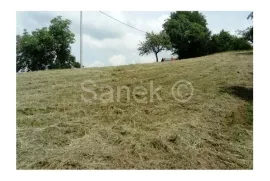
point(56, 129)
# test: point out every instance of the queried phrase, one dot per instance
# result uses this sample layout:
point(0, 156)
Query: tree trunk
point(156, 57)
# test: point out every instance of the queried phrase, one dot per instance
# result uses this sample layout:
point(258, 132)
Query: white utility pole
point(81, 41)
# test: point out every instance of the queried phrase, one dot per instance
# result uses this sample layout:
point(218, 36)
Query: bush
point(224, 41)
point(241, 44)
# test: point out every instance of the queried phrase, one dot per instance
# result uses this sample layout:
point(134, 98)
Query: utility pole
point(81, 41)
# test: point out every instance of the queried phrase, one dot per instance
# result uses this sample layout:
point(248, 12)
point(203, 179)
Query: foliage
point(188, 33)
point(19, 63)
point(247, 34)
point(46, 48)
point(240, 43)
point(221, 42)
point(250, 16)
point(190, 36)
point(249, 112)
point(154, 43)
point(224, 41)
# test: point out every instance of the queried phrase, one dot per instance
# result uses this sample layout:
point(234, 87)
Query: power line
point(123, 22)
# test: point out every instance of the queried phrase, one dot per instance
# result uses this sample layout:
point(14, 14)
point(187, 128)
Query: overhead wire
point(122, 22)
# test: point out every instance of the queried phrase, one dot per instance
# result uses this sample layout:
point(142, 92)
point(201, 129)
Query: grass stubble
point(56, 129)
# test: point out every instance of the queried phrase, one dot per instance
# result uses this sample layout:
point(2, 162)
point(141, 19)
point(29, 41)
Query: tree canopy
point(188, 33)
point(46, 48)
point(155, 43)
point(247, 34)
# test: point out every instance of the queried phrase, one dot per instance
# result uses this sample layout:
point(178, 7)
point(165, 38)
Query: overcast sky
point(107, 42)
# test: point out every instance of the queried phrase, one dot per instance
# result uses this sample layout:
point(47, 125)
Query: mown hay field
point(58, 129)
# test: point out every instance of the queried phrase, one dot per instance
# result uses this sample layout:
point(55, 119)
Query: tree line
point(186, 34)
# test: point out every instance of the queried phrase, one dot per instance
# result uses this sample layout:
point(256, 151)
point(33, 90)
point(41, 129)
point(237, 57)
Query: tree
point(18, 54)
point(154, 43)
point(240, 43)
point(63, 37)
point(247, 34)
point(221, 42)
point(224, 41)
point(188, 33)
point(250, 16)
point(46, 48)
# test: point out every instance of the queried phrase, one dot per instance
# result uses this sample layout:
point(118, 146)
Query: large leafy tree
point(46, 47)
point(63, 38)
point(221, 42)
point(188, 33)
point(154, 43)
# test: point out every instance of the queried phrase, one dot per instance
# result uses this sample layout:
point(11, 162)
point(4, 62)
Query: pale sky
point(107, 42)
